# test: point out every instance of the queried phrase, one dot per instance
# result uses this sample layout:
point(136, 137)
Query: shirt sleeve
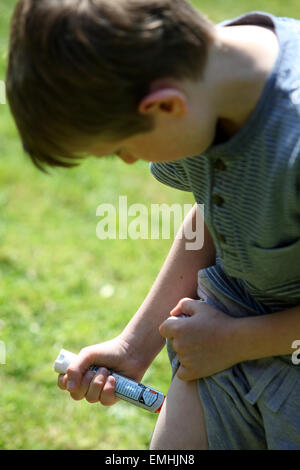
point(171, 174)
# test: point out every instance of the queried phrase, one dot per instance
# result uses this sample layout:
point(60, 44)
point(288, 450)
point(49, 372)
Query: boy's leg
point(181, 422)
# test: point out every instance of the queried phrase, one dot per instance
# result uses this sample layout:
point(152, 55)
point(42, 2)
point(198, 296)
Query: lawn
point(60, 286)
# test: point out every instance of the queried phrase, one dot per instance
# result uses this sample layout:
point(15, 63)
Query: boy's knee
point(181, 422)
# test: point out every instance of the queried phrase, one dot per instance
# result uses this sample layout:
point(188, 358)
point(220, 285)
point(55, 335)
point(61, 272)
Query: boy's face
point(159, 145)
point(185, 125)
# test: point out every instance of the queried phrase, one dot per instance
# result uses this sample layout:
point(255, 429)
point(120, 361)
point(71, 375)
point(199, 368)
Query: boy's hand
point(100, 386)
point(205, 342)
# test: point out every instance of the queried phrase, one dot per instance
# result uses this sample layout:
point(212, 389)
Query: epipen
point(126, 389)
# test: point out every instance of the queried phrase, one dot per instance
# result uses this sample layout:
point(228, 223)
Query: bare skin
point(181, 422)
point(187, 115)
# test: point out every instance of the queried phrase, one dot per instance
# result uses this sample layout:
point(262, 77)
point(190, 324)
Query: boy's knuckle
point(98, 382)
point(71, 370)
point(86, 352)
point(87, 378)
point(186, 299)
point(182, 301)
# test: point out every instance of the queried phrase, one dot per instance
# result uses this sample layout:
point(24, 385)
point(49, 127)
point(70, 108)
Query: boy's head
point(79, 69)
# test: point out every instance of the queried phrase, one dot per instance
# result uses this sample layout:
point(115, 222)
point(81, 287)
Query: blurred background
point(60, 286)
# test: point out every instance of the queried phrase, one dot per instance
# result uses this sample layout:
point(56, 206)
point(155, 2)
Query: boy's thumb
point(76, 370)
point(185, 306)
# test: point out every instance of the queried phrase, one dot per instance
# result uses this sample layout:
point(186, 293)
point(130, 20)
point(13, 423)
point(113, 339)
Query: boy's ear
point(167, 101)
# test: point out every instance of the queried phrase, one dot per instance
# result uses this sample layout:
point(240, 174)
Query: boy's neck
point(238, 68)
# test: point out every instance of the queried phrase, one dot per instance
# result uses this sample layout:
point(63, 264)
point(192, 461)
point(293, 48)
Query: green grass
point(52, 269)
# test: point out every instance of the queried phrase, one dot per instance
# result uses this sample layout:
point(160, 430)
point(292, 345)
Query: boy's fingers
point(95, 388)
point(108, 397)
point(78, 367)
point(183, 374)
point(181, 306)
point(62, 381)
point(185, 306)
point(170, 327)
point(82, 390)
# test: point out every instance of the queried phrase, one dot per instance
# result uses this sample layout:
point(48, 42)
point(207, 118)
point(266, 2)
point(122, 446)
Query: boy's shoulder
point(274, 125)
point(262, 18)
point(171, 174)
point(286, 28)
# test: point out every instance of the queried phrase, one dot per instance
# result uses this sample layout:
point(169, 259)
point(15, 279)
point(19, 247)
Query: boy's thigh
point(181, 422)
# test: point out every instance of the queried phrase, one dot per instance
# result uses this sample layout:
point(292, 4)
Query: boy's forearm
point(178, 278)
point(267, 335)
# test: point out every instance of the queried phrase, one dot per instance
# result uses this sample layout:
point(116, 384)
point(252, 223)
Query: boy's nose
point(127, 158)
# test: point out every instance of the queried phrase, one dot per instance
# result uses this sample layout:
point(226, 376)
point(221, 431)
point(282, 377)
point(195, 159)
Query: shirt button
point(219, 165)
point(218, 200)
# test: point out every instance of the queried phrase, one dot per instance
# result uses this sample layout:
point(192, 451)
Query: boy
point(216, 111)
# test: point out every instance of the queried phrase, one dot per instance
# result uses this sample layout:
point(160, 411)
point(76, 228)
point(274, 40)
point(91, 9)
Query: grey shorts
point(253, 405)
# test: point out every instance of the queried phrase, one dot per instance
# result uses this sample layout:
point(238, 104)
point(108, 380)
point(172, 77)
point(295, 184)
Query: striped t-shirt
point(250, 187)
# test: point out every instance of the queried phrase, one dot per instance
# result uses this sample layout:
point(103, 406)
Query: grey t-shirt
point(250, 187)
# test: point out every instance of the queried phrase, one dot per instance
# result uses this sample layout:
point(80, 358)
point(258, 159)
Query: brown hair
point(78, 68)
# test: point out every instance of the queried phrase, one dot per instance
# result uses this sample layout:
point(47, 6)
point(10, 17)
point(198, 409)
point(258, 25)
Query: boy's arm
point(135, 348)
point(178, 278)
point(217, 341)
point(269, 335)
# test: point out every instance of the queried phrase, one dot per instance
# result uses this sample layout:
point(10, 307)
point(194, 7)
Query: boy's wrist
point(267, 335)
point(143, 345)
point(242, 340)
point(239, 339)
